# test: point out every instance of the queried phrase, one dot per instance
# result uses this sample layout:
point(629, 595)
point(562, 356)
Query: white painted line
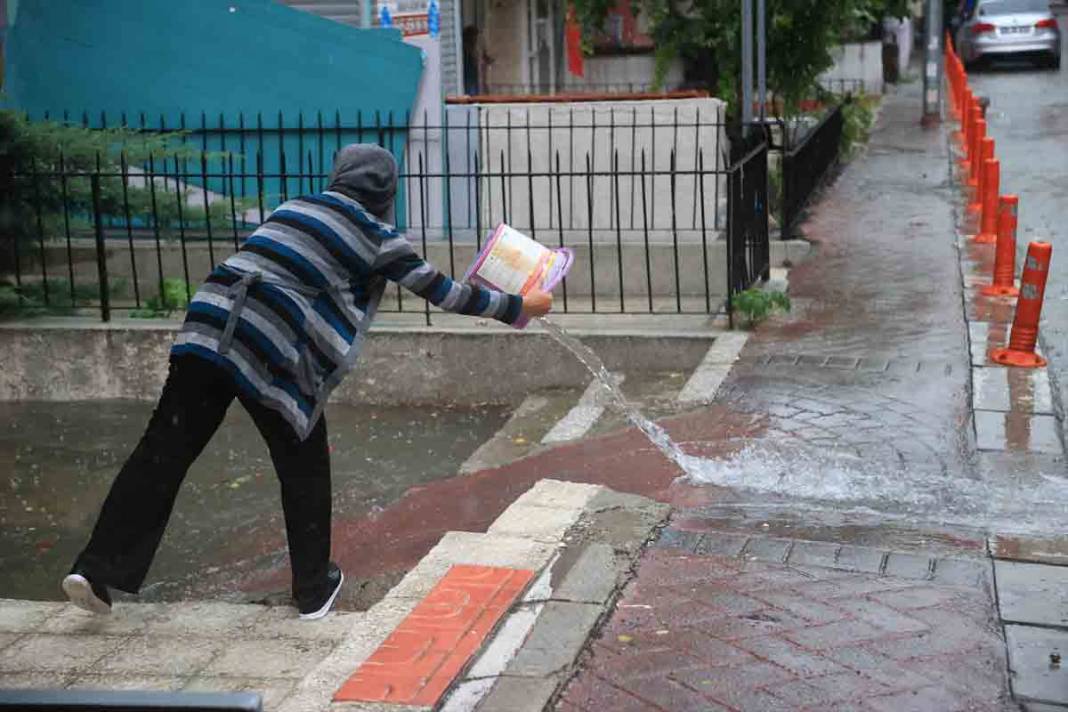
point(479, 459)
point(583, 416)
point(714, 367)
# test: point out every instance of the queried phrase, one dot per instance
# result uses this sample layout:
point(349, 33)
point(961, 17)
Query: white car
point(999, 28)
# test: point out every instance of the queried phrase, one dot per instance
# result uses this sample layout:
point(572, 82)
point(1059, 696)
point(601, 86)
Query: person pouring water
point(276, 326)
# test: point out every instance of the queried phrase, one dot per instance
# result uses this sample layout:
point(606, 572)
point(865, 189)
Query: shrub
point(174, 297)
point(758, 304)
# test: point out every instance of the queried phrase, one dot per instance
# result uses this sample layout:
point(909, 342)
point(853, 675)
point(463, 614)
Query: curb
point(581, 542)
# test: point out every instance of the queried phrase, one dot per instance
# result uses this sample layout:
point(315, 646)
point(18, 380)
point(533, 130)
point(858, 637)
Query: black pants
point(194, 401)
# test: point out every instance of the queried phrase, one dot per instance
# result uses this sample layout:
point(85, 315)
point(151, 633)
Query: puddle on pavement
point(1001, 501)
point(825, 478)
point(57, 461)
point(775, 516)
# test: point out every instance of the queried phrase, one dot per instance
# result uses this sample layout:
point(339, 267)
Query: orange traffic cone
point(1024, 336)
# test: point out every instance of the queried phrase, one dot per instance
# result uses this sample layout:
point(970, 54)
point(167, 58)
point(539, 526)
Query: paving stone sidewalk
point(873, 369)
point(720, 622)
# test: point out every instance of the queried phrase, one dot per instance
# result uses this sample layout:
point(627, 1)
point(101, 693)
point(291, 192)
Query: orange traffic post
point(971, 113)
point(966, 133)
point(986, 152)
point(1024, 335)
point(974, 154)
point(988, 221)
point(1005, 254)
point(961, 136)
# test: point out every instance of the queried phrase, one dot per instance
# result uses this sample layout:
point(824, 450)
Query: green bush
point(858, 115)
point(758, 304)
point(38, 203)
point(174, 297)
point(32, 299)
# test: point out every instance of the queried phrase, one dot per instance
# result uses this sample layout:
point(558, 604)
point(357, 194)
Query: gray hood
point(366, 173)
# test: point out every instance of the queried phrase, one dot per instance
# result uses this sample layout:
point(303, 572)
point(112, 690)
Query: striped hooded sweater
point(286, 315)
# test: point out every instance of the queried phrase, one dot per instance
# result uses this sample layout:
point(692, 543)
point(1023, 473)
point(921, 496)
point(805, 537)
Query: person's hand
point(537, 303)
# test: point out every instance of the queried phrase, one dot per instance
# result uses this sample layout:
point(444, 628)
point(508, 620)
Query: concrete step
point(571, 544)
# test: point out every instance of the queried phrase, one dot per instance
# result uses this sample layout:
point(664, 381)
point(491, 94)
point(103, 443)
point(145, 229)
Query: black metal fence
point(805, 164)
point(748, 248)
point(660, 220)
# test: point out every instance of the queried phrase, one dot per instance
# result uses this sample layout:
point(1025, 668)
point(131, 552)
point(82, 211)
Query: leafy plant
point(758, 304)
point(44, 178)
point(57, 298)
point(858, 115)
point(706, 36)
point(174, 297)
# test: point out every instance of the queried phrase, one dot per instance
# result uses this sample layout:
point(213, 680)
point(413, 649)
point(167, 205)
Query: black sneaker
point(85, 594)
point(318, 608)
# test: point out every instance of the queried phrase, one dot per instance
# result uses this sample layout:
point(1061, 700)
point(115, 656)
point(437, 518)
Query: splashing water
point(593, 363)
point(846, 481)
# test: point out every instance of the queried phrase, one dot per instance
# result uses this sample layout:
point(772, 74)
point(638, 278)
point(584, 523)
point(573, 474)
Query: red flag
point(573, 40)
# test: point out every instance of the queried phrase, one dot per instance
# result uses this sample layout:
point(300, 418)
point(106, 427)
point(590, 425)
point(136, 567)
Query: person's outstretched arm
point(398, 262)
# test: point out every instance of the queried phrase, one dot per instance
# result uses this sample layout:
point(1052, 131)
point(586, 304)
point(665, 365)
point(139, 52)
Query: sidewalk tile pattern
point(419, 660)
point(711, 632)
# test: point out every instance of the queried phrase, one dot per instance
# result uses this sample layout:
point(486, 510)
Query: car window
point(1010, 7)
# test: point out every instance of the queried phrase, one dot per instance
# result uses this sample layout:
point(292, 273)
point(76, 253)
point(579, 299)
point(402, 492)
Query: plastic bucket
point(512, 262)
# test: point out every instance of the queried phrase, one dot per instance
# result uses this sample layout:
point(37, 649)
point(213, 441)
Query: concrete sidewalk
point(843, 539)
point(861, 396)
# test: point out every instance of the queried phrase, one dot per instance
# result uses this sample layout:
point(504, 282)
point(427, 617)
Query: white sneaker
point(86, 595)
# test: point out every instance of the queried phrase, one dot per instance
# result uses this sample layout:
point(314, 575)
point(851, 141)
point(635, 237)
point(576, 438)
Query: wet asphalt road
point(1028, 119)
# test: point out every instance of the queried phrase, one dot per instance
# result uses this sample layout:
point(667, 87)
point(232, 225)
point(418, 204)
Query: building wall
point(452, 70)
point(218, 56)
point(630, 73)
point(513, 140)
point(503, 32)
point(858, 61)
point(236, 62)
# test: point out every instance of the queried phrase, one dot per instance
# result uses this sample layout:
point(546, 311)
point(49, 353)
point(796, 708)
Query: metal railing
point(804, 165)
point(748, 248)
point(643, 200)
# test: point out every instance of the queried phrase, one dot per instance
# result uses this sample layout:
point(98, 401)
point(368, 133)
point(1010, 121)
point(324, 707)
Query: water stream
point(1005, 501)
point(593, 363)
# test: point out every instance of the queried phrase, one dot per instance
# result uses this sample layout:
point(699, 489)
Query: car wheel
point(1054, 62)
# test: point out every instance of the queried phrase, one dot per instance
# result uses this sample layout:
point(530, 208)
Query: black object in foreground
point(127, 701)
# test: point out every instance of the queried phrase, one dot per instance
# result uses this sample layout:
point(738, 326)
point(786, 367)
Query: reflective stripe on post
point(1024, 336)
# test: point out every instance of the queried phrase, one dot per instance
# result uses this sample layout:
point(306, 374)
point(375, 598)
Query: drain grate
point(866, 364)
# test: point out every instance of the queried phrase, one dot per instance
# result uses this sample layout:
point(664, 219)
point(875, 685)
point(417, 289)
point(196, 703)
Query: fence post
point(101, 255)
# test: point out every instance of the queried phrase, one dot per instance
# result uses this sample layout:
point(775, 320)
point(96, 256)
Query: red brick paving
point(693, 630)
point(422, 656)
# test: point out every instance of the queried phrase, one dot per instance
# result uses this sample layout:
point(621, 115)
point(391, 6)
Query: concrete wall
point(618, 72)
point(517, 139)
point(228, 60)
point(163, 57)
point(858, 60)
point(60, 362)
point(503, 31)
point(904, 33)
